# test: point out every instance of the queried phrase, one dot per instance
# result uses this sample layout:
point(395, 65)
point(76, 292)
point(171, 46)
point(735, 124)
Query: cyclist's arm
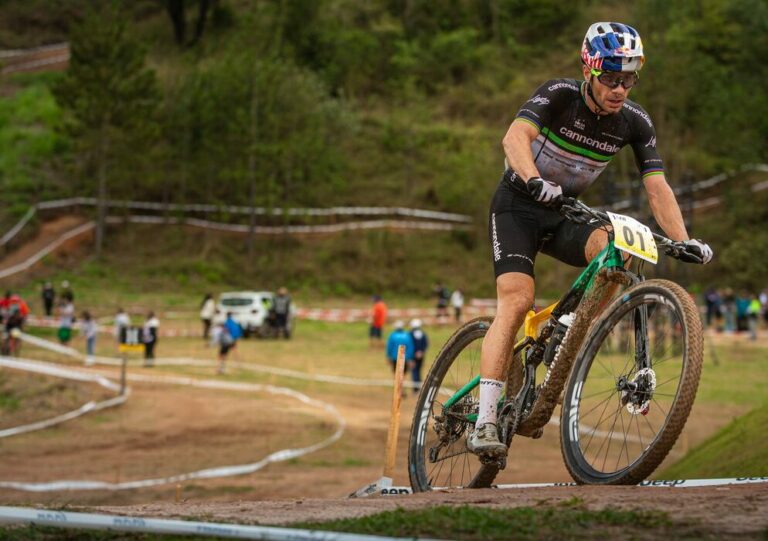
point(664, 207)
point(517, 148)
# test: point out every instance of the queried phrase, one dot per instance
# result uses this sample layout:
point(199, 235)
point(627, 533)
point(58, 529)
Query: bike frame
point(610, 258)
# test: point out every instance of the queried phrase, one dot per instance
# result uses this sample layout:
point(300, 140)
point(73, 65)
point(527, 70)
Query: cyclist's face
point(609, 99)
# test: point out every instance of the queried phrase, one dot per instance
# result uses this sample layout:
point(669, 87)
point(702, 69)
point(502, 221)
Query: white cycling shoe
point(484, 441)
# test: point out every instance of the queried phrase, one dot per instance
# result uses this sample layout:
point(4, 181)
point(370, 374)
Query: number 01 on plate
point(634, 238)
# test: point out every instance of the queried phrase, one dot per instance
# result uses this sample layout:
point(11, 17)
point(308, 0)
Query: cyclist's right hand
point(696, 251)
point(544, 191)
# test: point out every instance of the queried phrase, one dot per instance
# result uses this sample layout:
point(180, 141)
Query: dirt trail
point(729, 510)
point(49, 232)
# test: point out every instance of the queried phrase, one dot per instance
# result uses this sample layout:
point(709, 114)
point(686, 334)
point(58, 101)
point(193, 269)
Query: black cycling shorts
point(519, 227)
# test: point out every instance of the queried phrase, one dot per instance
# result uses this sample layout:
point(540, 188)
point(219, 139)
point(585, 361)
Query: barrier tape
point(675, 483)
point(47, 250)
point(234, 209)
point(54, 370)
point(91, 521)
point(208, 473)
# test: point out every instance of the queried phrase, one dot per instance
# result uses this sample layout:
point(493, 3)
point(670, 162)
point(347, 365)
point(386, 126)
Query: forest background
point(319, 103)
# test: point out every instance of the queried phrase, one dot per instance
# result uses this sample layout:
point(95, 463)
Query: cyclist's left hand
point(700, 251)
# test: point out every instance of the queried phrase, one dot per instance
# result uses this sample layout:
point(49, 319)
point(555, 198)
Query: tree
point(177, 11)
point(108, 98)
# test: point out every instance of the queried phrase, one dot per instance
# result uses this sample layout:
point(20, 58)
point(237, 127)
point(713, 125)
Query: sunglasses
point(612, 79)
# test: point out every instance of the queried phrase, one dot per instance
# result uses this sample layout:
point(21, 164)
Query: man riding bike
point(561, 140)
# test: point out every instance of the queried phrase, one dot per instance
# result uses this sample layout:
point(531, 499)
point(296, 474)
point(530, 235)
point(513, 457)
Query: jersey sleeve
point(547, 101)
point(644, 144)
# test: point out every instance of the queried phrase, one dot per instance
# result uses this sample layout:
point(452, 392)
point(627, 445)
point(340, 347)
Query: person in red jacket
point(378, 318)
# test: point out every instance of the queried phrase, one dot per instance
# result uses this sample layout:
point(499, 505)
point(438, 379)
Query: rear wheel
point(437, 452)
point(633, 385)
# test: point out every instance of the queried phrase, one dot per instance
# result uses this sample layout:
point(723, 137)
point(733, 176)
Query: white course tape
point(47, 250)
point(675, 483)
point(222, 471)
point(90, 521)
point(54, 370)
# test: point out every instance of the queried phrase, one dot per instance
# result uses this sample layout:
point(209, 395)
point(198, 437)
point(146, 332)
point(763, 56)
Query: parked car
point(251, 310)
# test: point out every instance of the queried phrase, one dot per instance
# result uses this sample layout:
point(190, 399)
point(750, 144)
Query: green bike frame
point(609, 258)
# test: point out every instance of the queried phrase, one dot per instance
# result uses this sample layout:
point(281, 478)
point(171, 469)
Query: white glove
point(700, 249)
point(544, 191)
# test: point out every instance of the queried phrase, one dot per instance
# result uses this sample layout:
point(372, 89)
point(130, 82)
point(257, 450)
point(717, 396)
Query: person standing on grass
point(89, 328)
point(223, 339)
point(207, 311)
point(149, 335)
point(66, 320)
point(234, 330)
point(122, 321)
point(48, 295)
point(457, 302)
point(282, 308)
point(399, 337)
point(420, 344)
point(378, 318)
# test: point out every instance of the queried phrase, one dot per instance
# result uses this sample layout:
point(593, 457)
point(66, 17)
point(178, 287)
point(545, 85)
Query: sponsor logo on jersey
point(562, 85)
point(579, 124)
point(584, 140)
point(641, 114)
point(651, 142)
point(538, 98)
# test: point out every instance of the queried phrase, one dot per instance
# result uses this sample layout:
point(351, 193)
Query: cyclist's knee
point(514, 293)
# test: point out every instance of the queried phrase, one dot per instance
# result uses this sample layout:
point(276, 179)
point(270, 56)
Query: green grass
point(568, 521)
point(738, 450)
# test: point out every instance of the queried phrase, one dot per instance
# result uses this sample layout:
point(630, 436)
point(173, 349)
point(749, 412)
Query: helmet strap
point(592, 96)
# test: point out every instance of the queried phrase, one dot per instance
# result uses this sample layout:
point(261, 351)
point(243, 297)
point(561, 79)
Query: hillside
point(293, 104)
point(738, 450)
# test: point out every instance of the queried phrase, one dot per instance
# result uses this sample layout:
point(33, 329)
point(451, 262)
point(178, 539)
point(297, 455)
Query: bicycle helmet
point(612, 47)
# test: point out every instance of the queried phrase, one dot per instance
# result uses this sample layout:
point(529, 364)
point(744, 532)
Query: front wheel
point(633, 385)
point(437, 452)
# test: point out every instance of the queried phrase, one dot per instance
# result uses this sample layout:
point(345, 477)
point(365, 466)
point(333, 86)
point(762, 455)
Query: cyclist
point(559, 143)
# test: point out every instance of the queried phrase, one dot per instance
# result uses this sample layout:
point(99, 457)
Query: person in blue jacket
point(420, 343)
point(234, 330)
point(399, 337)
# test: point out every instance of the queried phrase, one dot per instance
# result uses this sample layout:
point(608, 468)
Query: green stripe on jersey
point(565, 145)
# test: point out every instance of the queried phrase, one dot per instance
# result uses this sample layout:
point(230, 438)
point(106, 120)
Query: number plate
point(634, 238)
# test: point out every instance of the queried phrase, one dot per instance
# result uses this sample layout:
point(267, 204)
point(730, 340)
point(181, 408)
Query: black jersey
point(574, 144)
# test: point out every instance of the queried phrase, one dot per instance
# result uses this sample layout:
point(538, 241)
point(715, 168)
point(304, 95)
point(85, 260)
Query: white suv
point(249, 308)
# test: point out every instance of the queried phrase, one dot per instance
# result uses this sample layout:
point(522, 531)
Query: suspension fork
point(642, 355)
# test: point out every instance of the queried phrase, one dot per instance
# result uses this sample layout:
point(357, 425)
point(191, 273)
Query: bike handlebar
point(578, 212)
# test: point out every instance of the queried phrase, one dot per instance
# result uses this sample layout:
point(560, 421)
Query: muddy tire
point(452, 465)
point(620, 418)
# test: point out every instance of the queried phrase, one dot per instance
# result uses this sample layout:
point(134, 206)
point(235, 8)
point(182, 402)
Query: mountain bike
point(625, 367)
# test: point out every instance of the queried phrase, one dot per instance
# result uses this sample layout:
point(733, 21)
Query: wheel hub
point(636, 394)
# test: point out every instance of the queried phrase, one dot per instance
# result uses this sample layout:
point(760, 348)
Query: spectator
point(457, 302)
point(66, 291)
point(378, 318)
point(728, 307)
point(222, 338)
point(399, 337)
point(764, 304)
point(149, 336)
point(122, 321)
point(712, 301)
point(207, 311)
point(234, 330)
point(753, 312)
point(89, 329)
point(282, 308)
point(742, 311)
point(443, 295)
point(66, 320)
point(420, 344)
point(49, 297)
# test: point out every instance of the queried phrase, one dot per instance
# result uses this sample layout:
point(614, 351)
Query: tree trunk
point(101, 202)
point(178, 20)
point(202, 17)
point(254, 132)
